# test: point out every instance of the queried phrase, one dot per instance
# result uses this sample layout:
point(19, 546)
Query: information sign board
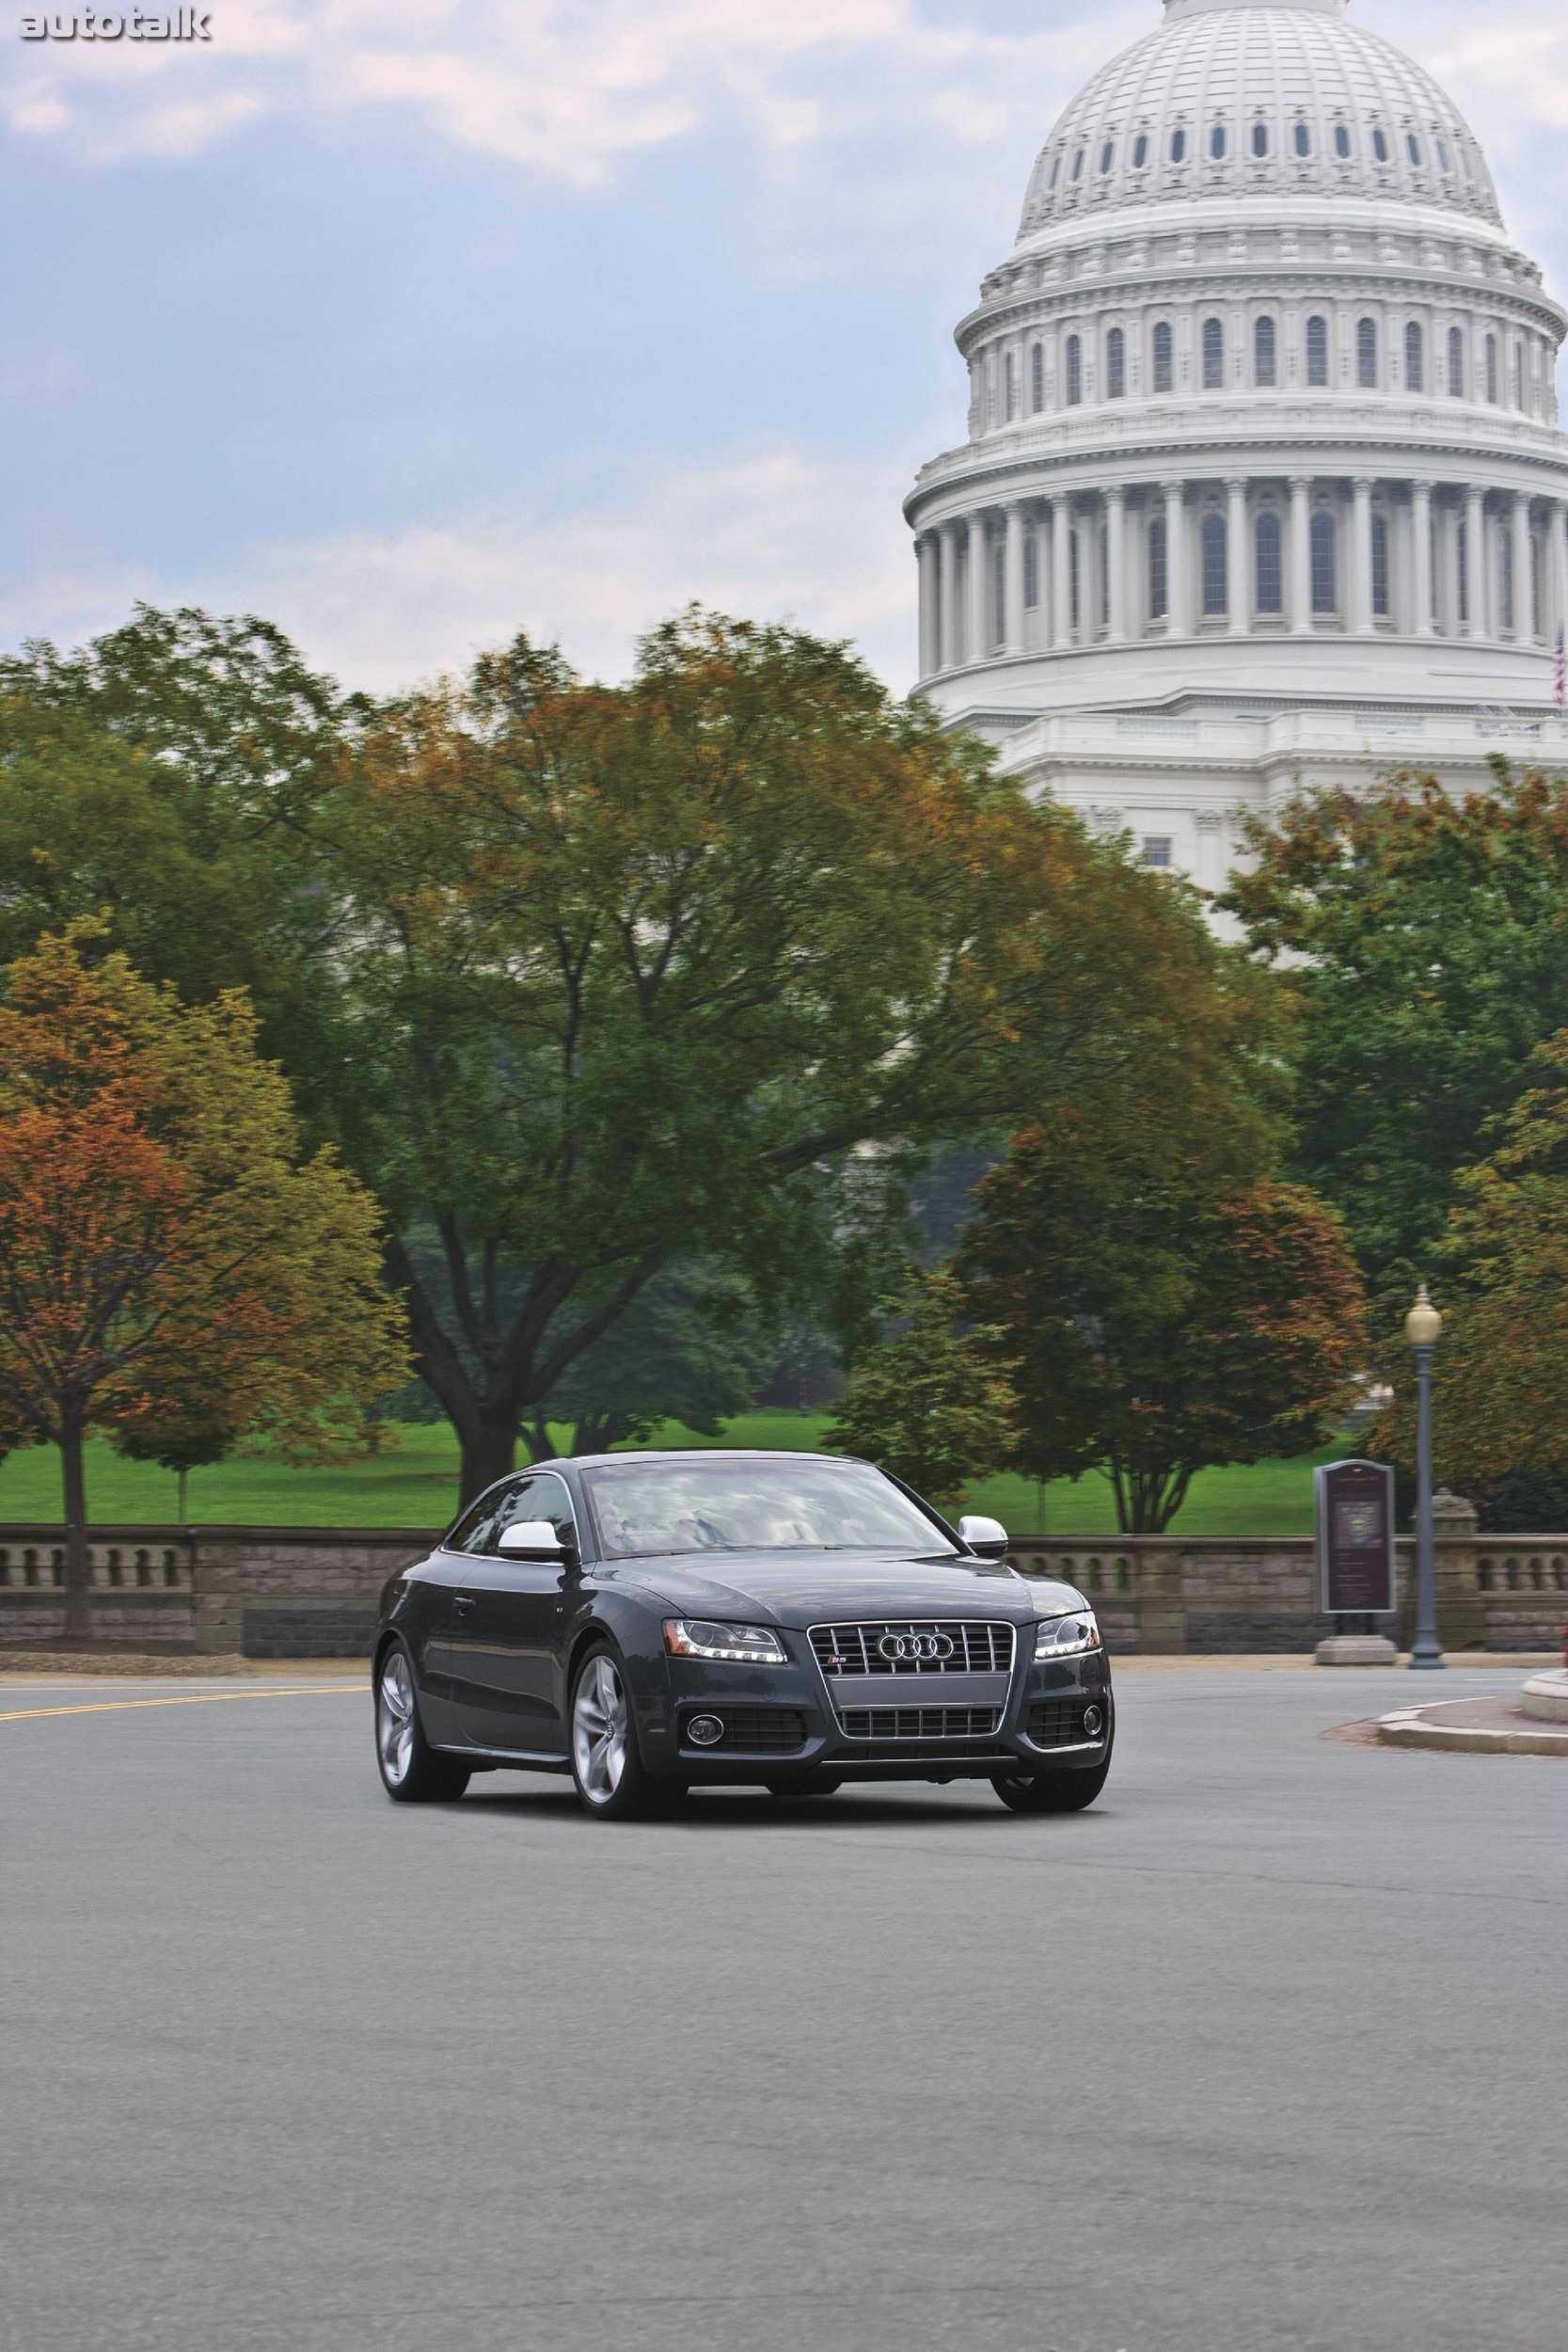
point(1355, 1538)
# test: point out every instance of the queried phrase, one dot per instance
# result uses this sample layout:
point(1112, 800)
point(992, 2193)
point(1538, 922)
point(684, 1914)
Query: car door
point(507, 1625)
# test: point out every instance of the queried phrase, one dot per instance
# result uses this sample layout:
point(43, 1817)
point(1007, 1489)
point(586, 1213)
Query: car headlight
point(1066, 1637)
point(734, 1645)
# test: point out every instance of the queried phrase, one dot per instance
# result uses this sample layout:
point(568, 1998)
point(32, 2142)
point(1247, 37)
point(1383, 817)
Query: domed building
point(1264, 486)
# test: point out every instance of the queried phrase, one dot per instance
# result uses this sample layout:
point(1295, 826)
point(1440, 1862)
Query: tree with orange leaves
point(165, 1258)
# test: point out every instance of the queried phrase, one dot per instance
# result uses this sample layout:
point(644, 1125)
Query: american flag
point(1559, 674)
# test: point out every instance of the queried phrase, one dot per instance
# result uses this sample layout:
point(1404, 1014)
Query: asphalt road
point(1264, 2051)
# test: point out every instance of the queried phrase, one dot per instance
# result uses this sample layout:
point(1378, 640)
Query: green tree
point(1425, 941)
point(160, 1238)
point(1500, 1369)
point(1158, 1321)
point(931, 1403)
point(705, 967)
point(688, 1349)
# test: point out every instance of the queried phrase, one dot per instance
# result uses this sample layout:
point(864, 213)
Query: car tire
point(613, 1782)
point(412, 1773)
point(1049, 1792)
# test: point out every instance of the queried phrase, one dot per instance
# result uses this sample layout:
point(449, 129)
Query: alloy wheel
point(599, 1730)
point(394, 1718)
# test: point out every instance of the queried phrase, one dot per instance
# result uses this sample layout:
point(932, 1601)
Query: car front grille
point(932, 1646)
point(920, 1723)
point(756, 1730)
point(1058, 1723)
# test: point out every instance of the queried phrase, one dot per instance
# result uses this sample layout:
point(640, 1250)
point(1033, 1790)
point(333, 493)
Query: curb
point(1410, 1727)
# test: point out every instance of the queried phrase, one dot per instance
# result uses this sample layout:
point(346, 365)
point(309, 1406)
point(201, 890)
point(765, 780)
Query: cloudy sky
point(409, 322)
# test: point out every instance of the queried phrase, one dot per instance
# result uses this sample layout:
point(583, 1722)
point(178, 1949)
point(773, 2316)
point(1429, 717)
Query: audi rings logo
point(916, 1650)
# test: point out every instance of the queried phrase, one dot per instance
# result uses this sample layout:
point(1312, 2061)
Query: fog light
point(704, 1729)
point(1094, 1722)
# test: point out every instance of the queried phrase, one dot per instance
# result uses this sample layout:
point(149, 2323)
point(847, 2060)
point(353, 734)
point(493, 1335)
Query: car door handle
point(462, 1603)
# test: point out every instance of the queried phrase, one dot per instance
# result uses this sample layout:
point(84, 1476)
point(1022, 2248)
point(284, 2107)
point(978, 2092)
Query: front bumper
point(782, 1724)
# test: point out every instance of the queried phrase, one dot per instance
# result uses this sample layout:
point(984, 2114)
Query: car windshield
point(738, 1503)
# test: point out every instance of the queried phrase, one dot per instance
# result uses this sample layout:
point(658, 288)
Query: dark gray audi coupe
point(651, 1621)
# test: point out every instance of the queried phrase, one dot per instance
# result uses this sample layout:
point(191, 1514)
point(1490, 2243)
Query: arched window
point(1078, 165)
point(1179, 147)
point(1445, 161)
point(1217, 142)
point(1216, 571)
point(1264, 352)
point(1140, 151)
point(1074, 370)
point(1213, 355)
point(1325, 569)
point(1317, 351)
point(1260, 138)
point(1505, 579)
point(1456, 363)
point(1517, 376)
point(1366, 355)
point(1010, 366)
point(1107, 156)
point(1492, 369)
point(1380, 146)
point(1164, 357)
point(1341, 141)
point(1036, 378)
point(1115, 364)
point(1413, 148)
point(1271, 569)
point(1159, 581)
point(1414, 359)
point(1304, 140)
point(1380, 566)
point(1031, 571)
point(1056, 171)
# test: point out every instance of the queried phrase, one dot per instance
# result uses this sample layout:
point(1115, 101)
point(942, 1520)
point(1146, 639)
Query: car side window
point(540, 1496)
point(478, 1532)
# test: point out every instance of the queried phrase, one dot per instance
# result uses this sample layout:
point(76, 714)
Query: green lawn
point(414, 1484)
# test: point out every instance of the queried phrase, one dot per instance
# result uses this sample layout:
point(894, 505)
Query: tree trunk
point(78, 1567)
point(489, 1452)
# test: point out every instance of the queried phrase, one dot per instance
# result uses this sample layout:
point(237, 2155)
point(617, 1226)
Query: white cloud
point(775, 535)
point(566, 88)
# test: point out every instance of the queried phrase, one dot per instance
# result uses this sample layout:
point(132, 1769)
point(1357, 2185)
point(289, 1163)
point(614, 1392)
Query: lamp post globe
point(1422, 1327)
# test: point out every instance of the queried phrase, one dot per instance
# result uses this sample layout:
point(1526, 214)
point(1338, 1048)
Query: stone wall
point(310, 1592)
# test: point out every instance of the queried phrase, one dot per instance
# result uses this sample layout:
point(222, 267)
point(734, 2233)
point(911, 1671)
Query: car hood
point(811, 1588)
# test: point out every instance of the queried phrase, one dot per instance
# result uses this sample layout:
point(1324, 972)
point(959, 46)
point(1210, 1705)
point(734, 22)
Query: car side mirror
point(989, 1537)
point(531, 1539)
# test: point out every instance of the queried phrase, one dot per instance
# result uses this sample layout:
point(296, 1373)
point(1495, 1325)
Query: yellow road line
point(192, 1699)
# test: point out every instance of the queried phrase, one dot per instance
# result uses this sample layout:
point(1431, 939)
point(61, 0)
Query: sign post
point(1355, 1559)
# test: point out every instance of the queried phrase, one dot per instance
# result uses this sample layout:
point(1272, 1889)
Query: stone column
point(1557, 568)
point(1116, 558)
point(1475, 561)
point(1061, 574)
point(978, 634)
point(1012, 598)
point(1177, 591)
point(1420, 524)
point(1301, 556)
point(1524, 613)
point(927, 554)
point(1360, 601)
point(1237, 570)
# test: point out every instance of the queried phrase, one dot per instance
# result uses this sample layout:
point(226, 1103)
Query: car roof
point(698, 1453)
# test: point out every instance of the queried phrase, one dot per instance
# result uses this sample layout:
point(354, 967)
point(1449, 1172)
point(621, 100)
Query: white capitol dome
point(1263, 486)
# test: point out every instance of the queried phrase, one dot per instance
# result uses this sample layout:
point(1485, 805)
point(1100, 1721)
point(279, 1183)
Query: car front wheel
point(606, 1766)
point(411, 1770)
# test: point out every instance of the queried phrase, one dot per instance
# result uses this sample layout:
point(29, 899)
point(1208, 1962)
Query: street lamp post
point(1422, 1328)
